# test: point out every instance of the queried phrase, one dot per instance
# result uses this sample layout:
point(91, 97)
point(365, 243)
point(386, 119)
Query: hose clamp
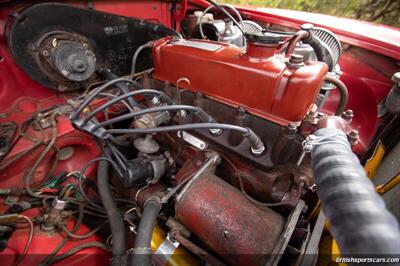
point(308, 145)
point(164, 252)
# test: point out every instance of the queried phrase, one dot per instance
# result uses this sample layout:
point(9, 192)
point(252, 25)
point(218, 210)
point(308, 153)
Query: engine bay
point(205, 146)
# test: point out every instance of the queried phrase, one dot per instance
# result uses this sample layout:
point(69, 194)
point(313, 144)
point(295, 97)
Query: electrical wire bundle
point(100, 130)
point(61, 186)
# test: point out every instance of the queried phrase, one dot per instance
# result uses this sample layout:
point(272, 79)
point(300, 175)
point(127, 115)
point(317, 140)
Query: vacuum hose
point(142, 250)
point(357, 215)
point(114, 216)
point(344, 94)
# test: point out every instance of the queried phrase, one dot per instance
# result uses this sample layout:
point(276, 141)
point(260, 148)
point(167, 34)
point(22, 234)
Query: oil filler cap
point(264, 38)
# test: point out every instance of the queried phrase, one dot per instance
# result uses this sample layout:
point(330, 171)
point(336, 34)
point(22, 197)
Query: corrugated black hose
point(357, 215)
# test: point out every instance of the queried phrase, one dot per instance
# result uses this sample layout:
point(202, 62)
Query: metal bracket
point(165, 251)
point(192, 140)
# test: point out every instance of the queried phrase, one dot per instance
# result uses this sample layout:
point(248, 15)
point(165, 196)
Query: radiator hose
point(115, 218)
point(142, 250)
point(357, 215)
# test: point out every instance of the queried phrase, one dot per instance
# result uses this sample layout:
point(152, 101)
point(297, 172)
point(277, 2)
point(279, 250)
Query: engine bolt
point(311, 117)
point(353, 137)
point(348, 115)
point(292, 129)
point(296, 61)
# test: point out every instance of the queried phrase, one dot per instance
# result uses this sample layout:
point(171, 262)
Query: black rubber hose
point(142, 251)
point(226, 13)
point(107, 74)
point(114, 216)
point(81, 177)
point(357, 215)
point(321, 51)
point(344, 94)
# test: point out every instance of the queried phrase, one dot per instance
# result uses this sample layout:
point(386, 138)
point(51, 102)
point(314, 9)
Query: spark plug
point(256, 146)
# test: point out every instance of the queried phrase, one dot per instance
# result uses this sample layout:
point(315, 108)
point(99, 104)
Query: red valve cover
point(264, 85)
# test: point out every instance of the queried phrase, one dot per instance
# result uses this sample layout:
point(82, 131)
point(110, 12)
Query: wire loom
point(90, 124)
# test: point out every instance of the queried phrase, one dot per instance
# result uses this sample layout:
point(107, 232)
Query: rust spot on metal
point(227, 222)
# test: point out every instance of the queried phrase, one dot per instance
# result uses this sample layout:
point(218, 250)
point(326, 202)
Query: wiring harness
point(84, 118)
